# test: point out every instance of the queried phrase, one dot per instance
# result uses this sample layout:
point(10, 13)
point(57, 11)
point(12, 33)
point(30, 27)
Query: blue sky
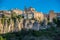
point(40, 5)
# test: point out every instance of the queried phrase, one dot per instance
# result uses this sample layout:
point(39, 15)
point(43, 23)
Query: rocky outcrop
point(11, 27)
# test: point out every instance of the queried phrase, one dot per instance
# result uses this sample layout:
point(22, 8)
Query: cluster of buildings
point(32, 20)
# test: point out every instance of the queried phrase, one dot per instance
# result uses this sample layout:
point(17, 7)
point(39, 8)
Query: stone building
point(28, 14)
point(1, 14)
point(36, 26)
point(58, 15)
point(52, 15)
point(32, 13)
point(7, 14)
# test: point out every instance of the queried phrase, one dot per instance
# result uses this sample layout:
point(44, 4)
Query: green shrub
point(1, 38)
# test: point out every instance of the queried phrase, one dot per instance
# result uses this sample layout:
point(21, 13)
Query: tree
point(19, 17)
point(58, 22)
point(3, 19)
point(55, 20)
point(13, 15)
point(8, 21)
point(1, 38)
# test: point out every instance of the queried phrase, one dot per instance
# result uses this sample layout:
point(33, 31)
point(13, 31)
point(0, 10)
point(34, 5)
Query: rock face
point(12, 27)
point(1, 27)
point(27, 23)
point(5, 26)
point(17, 11)
point(38, 16)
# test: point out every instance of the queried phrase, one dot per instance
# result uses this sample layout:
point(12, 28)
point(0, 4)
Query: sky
point(40, 5)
